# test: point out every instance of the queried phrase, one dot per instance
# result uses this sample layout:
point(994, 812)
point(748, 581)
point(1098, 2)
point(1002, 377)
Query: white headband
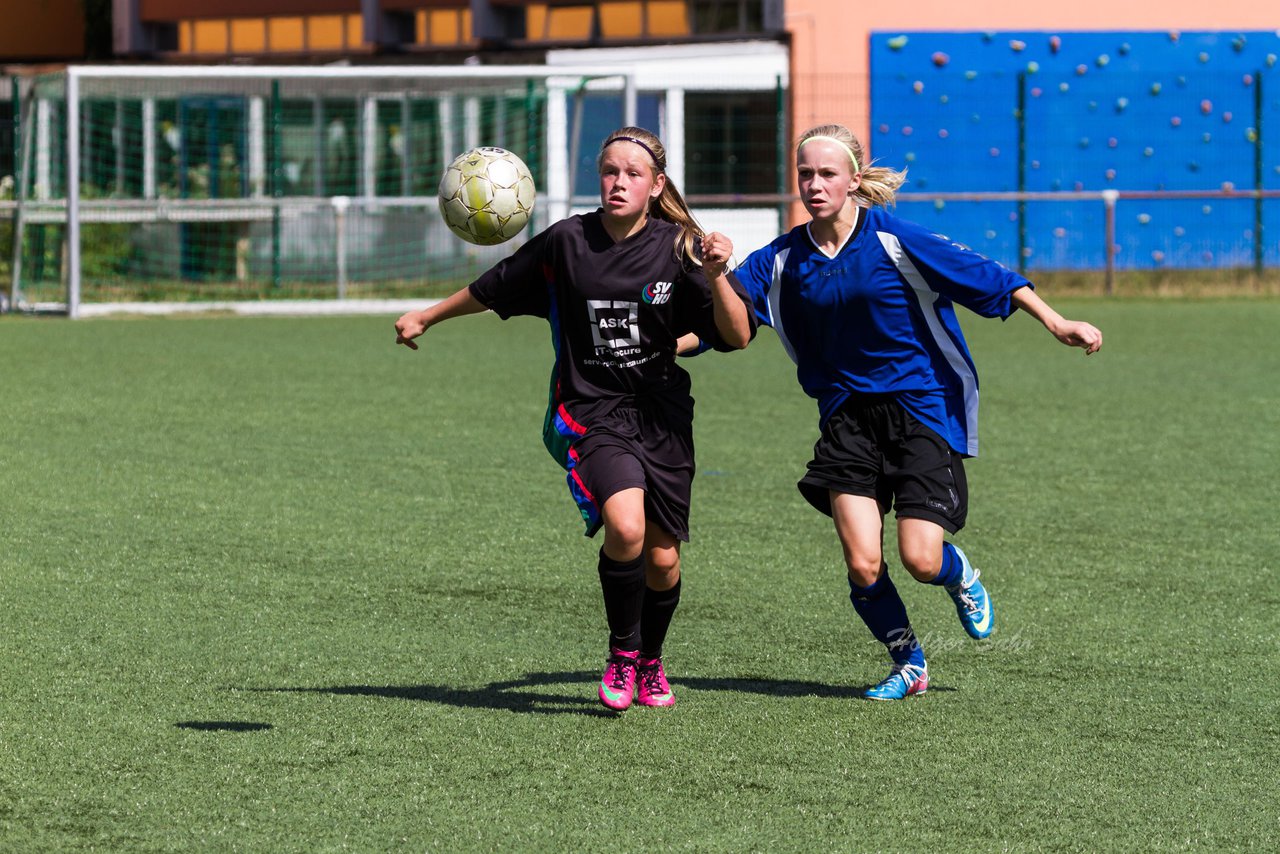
point(847, 149)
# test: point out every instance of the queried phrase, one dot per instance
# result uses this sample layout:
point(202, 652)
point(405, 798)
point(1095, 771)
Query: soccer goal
point(258, 183)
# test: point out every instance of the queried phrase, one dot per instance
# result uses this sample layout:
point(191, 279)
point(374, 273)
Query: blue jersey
point(878, 317)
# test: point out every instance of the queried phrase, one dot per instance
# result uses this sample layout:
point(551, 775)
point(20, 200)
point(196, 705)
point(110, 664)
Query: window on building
point(168, 143)
point(338, 147)
point(425, 147)
point(621, 20)
point(390, 147)
point(600, 114)
point(110, 145)
point(326, 32)
point(667, 18)
point(286, 34)
point(212, 154)
point(297, 158)
point(606, 20)
point(209, 37)
point(562, 23)
point(8, 123)
point(322, 143)
point(247, 36)
point(731, 142)
point(443, 26)
point(727, 16)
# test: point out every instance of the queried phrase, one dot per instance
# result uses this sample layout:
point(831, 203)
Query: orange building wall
point(41, 29)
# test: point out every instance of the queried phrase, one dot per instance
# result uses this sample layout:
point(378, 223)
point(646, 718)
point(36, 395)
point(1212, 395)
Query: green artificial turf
point(277, 584)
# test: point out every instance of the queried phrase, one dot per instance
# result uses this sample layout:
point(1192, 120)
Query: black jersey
point(616, 311)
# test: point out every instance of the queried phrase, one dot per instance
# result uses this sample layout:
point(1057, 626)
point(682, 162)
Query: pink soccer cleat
point(618, 683)
point(652, 688)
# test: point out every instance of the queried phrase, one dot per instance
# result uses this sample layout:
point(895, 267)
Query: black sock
point(659, 607)
point(623, 588)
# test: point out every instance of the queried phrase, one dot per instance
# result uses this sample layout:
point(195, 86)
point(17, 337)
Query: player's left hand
point(1077, 333)
point(716, 251)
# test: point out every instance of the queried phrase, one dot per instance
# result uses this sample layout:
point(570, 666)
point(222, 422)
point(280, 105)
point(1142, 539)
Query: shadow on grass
point(223, 726)
point(781, 687)
point(514, 695)
point(503, 696)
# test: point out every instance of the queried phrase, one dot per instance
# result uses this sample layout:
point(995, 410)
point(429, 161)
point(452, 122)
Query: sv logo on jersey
point(614, 323)
point(656, 293)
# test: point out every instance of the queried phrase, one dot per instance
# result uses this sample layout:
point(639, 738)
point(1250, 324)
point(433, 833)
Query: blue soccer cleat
point(973, 605)
point(904, 680)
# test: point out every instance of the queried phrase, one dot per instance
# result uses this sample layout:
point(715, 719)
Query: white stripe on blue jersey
point(878, 317)
point(775, 315)
point(928, 300)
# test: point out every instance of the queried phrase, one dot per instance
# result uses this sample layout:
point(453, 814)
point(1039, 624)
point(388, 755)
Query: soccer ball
point(486, 196)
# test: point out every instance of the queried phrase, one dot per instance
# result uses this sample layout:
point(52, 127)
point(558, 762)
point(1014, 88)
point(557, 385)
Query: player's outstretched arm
point(1073, 333)
point(413, 323)
point(732, 321)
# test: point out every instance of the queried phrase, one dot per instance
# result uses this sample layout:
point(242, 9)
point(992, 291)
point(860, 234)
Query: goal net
point(225, 183)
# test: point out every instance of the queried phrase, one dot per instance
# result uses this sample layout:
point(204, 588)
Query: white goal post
point(457, 107)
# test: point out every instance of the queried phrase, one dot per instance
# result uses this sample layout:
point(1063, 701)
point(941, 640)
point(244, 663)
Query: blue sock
point(885, 614)
point(952, 572)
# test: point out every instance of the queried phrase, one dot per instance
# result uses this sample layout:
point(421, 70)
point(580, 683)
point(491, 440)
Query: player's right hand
point(408, 327)
point(1077, 333)
point(716, 251)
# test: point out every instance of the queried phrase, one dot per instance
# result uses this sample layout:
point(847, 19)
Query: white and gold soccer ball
point(487, 195)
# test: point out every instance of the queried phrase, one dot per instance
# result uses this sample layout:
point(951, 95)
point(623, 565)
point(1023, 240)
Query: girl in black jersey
point(619, 286)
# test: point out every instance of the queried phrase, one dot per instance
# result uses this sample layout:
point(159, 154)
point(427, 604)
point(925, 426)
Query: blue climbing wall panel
point(1131, 111)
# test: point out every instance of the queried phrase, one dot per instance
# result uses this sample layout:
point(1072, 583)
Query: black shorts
point(635, 447)
point(873, 447)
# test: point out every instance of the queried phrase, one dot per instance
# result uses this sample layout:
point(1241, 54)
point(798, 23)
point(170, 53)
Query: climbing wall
point(1133, 111)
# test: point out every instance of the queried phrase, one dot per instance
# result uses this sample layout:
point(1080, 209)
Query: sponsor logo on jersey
point(656, 293)
point(614, 323)
point(964, 248)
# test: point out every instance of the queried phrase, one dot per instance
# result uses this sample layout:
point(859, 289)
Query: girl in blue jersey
point(619, 286)
point(863, 303)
